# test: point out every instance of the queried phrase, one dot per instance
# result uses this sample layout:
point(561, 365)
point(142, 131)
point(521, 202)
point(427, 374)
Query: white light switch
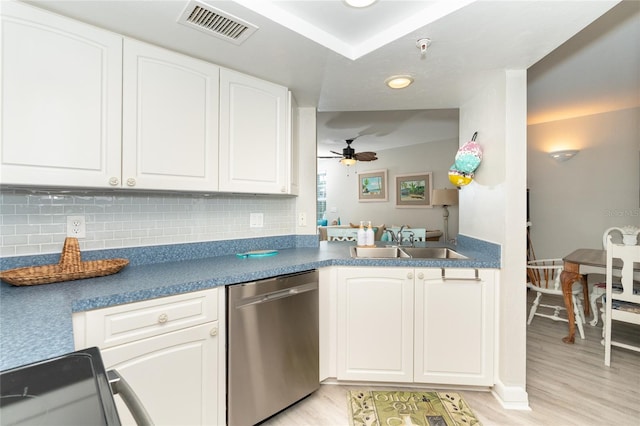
point(302, 219)
point(256, 220)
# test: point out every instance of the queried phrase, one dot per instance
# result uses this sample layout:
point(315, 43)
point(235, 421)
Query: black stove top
point(72, 389)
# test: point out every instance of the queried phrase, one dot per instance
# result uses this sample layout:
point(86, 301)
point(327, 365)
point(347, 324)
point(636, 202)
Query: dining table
point(571, 273)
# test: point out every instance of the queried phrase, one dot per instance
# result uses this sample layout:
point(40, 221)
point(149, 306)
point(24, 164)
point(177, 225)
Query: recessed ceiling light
point(399, 81)
point(360, 3)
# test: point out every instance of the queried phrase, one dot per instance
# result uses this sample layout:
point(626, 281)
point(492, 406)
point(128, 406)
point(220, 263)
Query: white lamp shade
point(444, 197)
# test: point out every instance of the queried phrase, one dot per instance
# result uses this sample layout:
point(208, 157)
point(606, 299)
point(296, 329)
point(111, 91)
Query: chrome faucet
point(398, 237)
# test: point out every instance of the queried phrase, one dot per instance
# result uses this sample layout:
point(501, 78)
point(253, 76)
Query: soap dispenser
point(370, 236)
point(362, 236)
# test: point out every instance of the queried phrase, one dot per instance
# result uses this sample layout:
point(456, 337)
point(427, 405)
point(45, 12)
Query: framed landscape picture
point(372, 186)
point(413, 190)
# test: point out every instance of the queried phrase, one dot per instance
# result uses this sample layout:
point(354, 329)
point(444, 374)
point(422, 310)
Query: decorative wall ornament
point(467, 160)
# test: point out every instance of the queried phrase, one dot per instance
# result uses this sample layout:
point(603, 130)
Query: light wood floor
point(566, 384)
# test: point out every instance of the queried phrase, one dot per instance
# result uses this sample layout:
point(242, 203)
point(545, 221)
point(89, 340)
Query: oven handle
point(120, 386)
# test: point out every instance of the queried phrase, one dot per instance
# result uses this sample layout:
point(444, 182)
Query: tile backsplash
point(34, 222)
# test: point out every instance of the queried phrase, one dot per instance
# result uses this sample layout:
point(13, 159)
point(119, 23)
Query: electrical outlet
point(302, 219)
point(256, 220)
point(76, 227)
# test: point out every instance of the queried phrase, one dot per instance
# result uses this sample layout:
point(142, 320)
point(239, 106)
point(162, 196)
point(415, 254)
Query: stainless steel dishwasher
point(272, 347)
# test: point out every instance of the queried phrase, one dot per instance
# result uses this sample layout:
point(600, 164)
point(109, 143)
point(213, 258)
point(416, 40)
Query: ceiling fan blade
point(329, 156)
point(336, 153)
point(366, 156)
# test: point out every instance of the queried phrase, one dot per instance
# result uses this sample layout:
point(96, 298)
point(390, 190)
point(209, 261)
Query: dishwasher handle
point(119, 386)
point(276, 295)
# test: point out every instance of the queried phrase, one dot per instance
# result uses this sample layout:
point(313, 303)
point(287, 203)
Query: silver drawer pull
point(213, 331)
point(163, 318)
point(476, 278)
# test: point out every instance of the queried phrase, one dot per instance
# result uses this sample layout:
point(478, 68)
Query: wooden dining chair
point(544, 278)
point(624, 304)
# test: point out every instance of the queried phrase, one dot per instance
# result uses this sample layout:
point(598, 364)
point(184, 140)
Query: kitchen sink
point(378, 252)
point(432, 253)
point(395, 252)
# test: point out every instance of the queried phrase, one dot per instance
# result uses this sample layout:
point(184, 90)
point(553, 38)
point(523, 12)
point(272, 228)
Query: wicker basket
point(70, 267)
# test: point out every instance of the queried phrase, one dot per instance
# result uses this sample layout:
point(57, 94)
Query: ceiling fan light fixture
point(348, 161)
point(399, 81)
point(360, 3)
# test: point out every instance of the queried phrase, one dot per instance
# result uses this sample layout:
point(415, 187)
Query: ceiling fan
point(349, 156)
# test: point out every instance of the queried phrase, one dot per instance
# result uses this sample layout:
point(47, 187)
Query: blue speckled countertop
point(35, 321)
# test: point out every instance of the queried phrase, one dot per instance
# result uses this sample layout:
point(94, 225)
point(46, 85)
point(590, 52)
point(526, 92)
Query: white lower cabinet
point(170, 350)
point(375, 324)
point(454, 317)
point(425, 325)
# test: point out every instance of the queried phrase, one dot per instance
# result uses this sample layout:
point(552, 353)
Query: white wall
point(306, 200)
point(573, 202)
point(342, 186)
point(493, 208)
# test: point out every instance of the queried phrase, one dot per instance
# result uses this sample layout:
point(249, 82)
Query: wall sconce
point(445, 198)
point(565, 155)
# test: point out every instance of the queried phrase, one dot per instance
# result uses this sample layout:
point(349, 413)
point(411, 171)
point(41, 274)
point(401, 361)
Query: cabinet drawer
point(125, 323)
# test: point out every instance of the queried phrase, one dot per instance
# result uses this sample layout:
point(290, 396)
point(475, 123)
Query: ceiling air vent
point(215, 22)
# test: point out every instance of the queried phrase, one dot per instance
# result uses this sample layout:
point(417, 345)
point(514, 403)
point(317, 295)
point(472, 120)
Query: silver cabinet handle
point(162, 318)
point(131, 182)
point(476, 278)
point(214, 331)
point(114, 181)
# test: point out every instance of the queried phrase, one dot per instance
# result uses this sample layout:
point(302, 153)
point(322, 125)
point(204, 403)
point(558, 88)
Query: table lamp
point(445, 198)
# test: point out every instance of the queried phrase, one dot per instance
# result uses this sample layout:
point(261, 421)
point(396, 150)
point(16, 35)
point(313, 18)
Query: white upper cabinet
point(61, 100)
point(170, 120)
point(80, 110)
point(254, 157)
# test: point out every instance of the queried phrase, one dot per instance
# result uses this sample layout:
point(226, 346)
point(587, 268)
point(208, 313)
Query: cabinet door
point(175, 375)
point(170, 120)
point(253, 135)
point(454, 326)
point(375, 324)
point(61, 100)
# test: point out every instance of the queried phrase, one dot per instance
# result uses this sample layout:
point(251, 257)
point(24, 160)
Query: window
point(321, 191)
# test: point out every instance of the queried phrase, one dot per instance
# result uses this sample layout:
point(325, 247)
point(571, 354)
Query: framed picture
point(372, 186)
point(413, 190)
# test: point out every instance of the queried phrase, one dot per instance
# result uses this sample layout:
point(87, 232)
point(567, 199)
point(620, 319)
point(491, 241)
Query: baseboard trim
point(511, 397)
